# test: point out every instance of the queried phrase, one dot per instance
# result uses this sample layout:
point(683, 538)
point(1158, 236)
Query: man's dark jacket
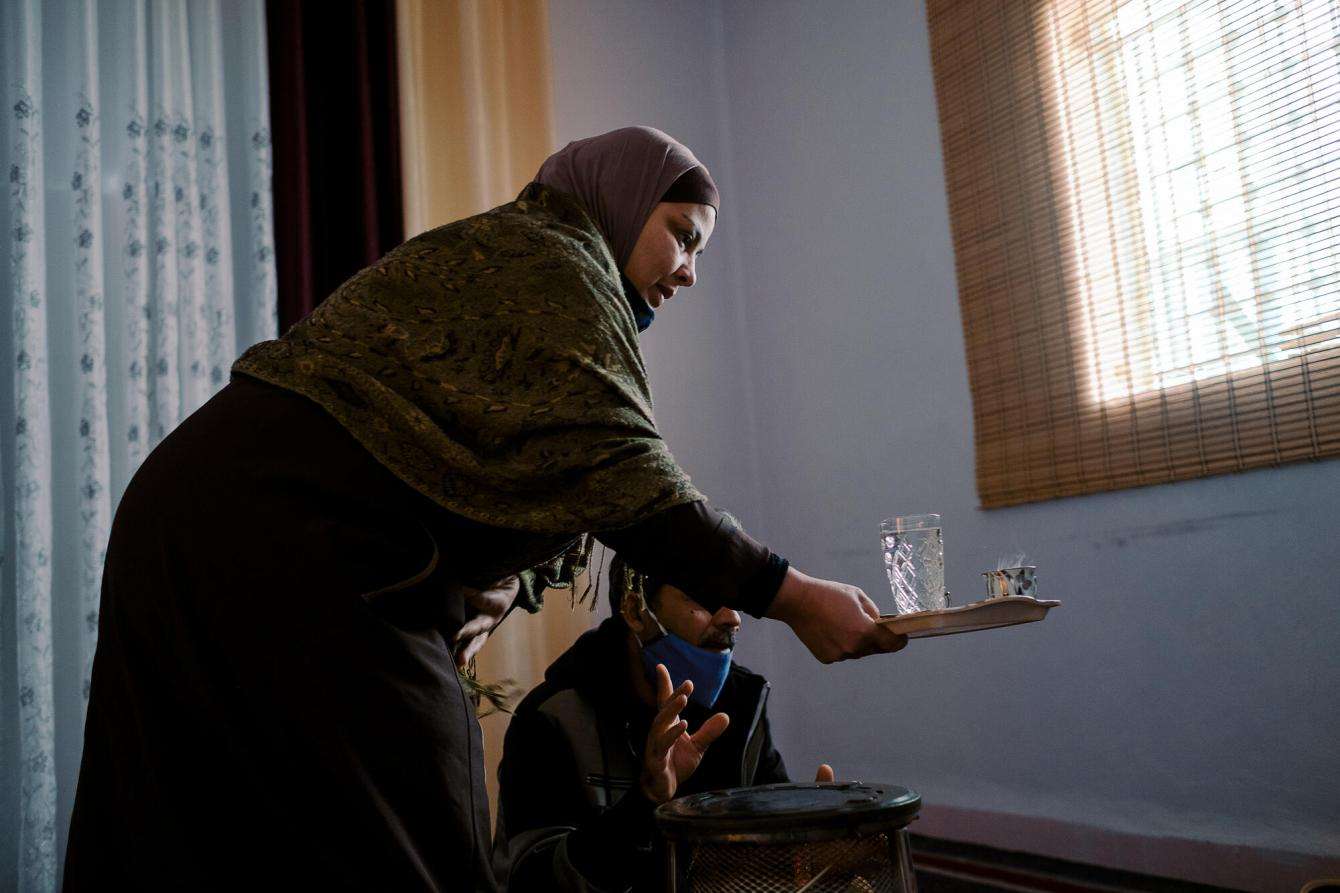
point(570, 814)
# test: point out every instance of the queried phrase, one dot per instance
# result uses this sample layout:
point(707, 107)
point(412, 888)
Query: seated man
point(595, 748)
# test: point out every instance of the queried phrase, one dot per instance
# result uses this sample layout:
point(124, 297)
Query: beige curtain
point(475, 106)
point(476, 122)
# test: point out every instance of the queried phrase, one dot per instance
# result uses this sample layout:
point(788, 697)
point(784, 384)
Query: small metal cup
point(1012, 581)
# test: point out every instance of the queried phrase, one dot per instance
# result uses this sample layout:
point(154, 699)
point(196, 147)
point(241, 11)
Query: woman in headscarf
point(295, 573)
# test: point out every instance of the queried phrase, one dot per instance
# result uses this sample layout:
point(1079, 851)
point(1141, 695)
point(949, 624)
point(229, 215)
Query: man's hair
point(623, 580)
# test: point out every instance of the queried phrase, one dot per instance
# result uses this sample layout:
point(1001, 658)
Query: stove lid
point(785, 813)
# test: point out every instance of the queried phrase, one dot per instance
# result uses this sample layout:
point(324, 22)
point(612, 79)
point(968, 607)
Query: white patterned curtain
point(138, 263)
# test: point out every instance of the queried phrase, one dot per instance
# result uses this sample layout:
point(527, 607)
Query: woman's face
point(666, 254)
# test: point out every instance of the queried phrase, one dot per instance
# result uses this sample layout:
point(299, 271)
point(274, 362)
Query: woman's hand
point(672, 754)
point(834, 620)
point(484, 609)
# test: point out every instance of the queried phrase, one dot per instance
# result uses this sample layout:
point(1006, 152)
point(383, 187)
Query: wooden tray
point(987, 614)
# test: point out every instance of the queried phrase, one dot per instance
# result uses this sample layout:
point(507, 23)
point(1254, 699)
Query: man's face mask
point(705, 667)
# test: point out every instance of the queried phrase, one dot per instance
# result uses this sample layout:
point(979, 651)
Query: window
point(1145, 201)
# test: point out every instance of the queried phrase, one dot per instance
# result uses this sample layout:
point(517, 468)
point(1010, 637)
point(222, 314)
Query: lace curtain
point(139, 263)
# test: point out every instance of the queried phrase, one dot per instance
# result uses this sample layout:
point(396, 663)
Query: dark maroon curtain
point(334, 114)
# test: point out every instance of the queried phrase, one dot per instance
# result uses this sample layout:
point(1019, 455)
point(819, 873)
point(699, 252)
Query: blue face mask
point(705, 667)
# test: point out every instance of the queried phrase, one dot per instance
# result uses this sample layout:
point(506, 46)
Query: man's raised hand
point(672, 754)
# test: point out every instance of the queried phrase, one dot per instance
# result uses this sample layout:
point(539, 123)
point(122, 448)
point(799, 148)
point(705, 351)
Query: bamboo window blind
point(1145, 205)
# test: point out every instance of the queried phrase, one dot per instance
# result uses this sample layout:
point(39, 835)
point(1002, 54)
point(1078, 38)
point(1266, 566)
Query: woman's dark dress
point(274, 700)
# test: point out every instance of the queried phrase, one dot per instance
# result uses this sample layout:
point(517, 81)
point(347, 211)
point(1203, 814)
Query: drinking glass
point(914, 560)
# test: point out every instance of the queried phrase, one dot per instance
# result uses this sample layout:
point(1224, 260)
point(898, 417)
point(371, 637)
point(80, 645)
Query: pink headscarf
point(620, 176)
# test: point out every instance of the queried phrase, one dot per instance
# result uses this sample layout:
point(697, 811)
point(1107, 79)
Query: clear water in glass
point(914, 562)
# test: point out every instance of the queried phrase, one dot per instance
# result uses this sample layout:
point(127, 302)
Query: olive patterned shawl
point(493, 364)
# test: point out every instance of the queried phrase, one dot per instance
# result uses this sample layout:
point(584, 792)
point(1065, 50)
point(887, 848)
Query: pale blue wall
point(1189, 685)
point(616, 64)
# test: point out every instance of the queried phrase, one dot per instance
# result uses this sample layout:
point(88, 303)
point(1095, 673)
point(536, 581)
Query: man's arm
point(615, 849)
point(607, 852)
point(539, 800)
point(546, 839)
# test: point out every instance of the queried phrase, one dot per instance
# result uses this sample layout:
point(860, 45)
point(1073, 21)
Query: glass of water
point(914, 559)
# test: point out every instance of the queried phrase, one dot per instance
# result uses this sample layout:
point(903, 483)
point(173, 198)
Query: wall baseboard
point(1196, 861)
